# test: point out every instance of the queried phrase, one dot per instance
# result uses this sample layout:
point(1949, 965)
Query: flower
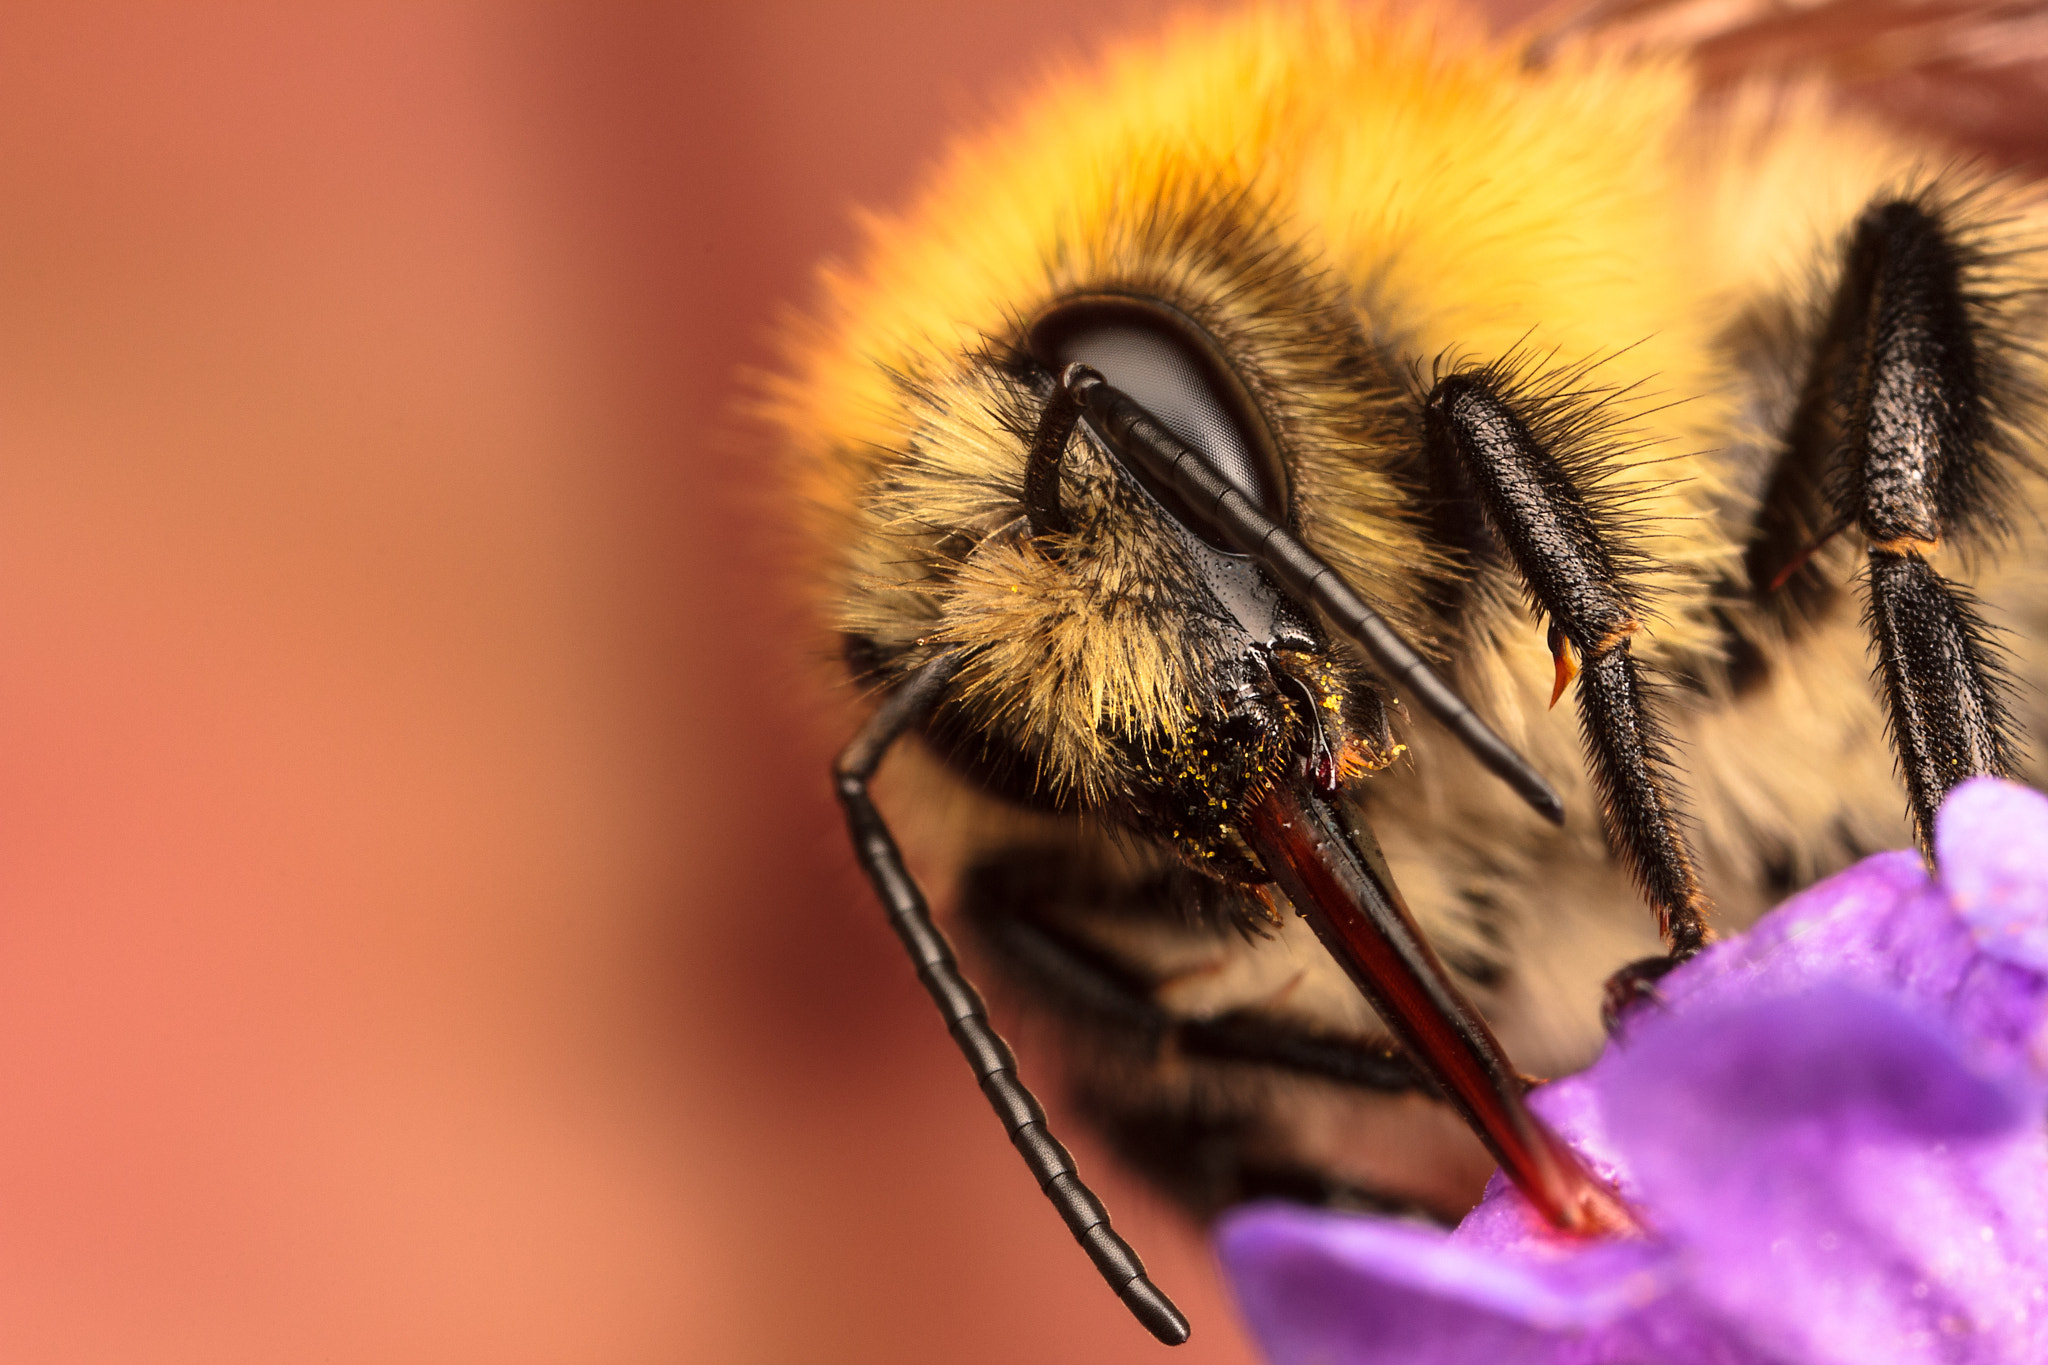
point(1833, 1126)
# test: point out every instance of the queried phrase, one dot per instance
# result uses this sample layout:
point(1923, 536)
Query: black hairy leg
point(1916, 468)
point(1797, 512)
point(1551, 532)
point(1897, 435)
point(1202, 1137)
point(1015, 902)
point(1211, 1153)
point(995, 1067)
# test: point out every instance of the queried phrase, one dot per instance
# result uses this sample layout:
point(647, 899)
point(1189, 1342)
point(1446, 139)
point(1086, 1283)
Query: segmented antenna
point(1137, 438)
point(1042, 467)
point(995, 1067)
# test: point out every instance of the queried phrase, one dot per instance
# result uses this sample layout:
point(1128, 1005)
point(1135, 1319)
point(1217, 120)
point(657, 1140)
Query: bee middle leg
point(1918, 438)
point(1180, 1099)
point(1897, 435)
point(1552, 534)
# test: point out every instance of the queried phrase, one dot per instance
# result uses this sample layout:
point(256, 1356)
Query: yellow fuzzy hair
point(1346, 198)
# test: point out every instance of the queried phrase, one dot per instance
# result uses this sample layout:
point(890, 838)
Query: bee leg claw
point(1634, 987)
point(1565, 662)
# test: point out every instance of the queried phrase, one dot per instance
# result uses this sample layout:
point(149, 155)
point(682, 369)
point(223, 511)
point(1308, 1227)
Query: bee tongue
point(1338, 882)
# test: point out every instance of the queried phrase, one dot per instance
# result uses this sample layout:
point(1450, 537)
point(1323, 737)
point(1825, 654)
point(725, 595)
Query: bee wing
point(1971, 72)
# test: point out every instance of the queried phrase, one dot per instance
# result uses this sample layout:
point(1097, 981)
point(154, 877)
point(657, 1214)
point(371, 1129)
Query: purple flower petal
point(1992, 838)
point(1830, 1164)
point(1831, 1056)
point(1355, 1291)
point(1833, 1123)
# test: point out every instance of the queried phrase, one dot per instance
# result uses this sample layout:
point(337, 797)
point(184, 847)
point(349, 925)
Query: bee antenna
point(1042, 466)
point(1140, 440)
point(995, 1066)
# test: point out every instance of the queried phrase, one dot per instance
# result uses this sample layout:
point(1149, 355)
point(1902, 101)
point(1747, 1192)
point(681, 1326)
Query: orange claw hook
point(1566, 660)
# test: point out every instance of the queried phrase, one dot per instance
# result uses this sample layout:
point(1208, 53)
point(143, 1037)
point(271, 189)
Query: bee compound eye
point(1169, 365)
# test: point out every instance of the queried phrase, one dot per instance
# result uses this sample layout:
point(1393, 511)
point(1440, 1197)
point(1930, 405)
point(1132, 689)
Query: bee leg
point(995, 1067)
point(1549, 530)
point(1632, 986)
point(1196, 1131)
point(1918, 431)
point(1004, 897)
point(1211, 1153)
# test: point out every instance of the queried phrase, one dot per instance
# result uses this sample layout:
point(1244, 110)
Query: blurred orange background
point(424, 931)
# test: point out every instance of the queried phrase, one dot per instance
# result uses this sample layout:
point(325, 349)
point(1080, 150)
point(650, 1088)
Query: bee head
point(1128, 662)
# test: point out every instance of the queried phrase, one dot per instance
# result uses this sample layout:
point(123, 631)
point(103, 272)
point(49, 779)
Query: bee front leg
point(995, 1067)
point(1186, 1101)
point(1552, 534)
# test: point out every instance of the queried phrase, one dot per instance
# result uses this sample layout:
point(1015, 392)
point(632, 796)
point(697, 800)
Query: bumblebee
point(1221, 472)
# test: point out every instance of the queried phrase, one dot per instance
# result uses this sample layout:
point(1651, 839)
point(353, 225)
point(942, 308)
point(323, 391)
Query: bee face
point(1133, 666)
point(1227, 679)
